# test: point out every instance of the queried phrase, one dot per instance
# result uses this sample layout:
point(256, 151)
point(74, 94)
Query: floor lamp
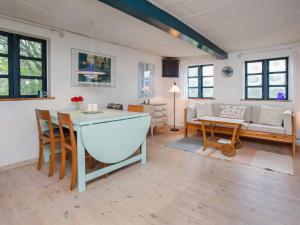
point(174, 89)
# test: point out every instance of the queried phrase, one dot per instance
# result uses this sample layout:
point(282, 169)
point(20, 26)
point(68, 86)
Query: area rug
point(246, 155)
point(188, 144)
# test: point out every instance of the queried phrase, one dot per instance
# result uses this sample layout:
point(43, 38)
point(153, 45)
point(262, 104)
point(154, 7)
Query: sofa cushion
point(255, 113)
point(216, 107)
point(233, 111)
point(203, 109)
point(265, 128)
point(271, 116)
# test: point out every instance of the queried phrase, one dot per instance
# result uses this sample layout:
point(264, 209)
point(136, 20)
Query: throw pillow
point(271, 116)
point(233, 112)
point(203, 109)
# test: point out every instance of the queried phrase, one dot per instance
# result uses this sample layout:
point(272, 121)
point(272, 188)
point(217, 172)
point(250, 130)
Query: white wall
point(231, 90)
point(17, 119)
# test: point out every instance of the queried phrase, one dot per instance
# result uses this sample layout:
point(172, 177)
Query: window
point(267, 79)
point(201, 81)
point(22, 66)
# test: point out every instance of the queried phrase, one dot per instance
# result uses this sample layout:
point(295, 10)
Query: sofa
point(251, 128)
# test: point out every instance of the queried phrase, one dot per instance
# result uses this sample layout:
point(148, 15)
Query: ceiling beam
point(153, 15)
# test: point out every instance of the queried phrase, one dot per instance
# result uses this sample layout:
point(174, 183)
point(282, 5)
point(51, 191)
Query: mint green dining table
point(111, 137)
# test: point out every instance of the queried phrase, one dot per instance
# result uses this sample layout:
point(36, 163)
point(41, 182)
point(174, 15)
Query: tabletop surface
point(220, 120)
point(106, 115)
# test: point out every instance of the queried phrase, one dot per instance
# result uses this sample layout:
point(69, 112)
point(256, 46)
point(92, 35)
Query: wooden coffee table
point(227, 146)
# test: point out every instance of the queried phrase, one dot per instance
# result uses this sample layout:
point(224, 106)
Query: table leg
point(238, 143)
point(204, 137)
point(144, 152)
point(47, 153)
point(81, 173)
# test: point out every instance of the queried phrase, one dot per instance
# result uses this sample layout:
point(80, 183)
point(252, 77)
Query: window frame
point(14, 64)
point(200, 78)
point(265, 86)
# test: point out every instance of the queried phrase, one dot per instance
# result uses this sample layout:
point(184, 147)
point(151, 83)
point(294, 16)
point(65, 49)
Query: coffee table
point(227, 146)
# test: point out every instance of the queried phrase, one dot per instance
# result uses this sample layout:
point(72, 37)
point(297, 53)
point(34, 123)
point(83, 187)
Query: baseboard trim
point(17, 164)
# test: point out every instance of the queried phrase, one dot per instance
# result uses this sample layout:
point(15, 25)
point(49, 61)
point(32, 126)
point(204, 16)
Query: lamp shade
point(174, 89)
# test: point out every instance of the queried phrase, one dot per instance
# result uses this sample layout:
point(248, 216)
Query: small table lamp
point(174, 89)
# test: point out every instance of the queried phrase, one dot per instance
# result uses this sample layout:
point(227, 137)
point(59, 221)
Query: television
point(170, 67)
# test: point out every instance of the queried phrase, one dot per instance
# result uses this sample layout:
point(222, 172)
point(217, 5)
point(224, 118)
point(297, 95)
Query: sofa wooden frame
point(289, 139)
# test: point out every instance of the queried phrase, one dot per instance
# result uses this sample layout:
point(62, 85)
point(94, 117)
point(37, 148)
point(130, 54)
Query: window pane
point(193, 82)
point(193, 72)
point(30, 48)
point(3, 44)
point(254, 92)
point(4, 89)
point(254, 67)
point(277, 79)
point(254, 80)
point(273, 91)
point(30, 68)
point(30, 86)
point(193, 92)
point(208, 81)
point(208, 71)
point(208, 92)
point(3, 66)
point(277, 65)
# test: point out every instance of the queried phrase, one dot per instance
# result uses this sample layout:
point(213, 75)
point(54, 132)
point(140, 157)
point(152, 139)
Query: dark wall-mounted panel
point(170, 68)
point(149, 13)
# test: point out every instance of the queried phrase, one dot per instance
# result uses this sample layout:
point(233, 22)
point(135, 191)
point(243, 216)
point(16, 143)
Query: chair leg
point(185, 132)
point(41, 155)
point(62, 163)
point(294, 149)
point(90, 162)
point(52, 159)
point(73, 170)
point(103, 166)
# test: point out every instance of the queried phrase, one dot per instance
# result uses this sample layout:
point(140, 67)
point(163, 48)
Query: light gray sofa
point(251, 128)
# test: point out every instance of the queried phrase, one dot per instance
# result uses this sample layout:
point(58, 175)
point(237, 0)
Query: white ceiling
point(109, 24)
point(234, 25)
point(238, 25)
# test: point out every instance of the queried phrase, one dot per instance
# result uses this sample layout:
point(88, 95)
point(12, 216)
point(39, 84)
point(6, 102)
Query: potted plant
point(77, 100)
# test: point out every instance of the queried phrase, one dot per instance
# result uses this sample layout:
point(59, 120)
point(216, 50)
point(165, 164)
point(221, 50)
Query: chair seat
point(56, 132)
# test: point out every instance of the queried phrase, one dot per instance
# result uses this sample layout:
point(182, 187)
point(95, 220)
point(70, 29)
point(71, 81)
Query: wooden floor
point(174, 187)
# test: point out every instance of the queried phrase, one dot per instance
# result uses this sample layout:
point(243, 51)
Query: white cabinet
point(158, 113)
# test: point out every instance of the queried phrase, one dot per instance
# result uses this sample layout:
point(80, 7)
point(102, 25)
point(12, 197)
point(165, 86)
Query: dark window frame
point(200, 78)
point(265, 86)
point(14, 59)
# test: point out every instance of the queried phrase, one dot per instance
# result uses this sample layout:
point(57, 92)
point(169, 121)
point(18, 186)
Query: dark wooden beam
point(149, 13)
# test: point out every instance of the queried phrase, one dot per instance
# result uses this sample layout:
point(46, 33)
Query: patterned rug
point(247, 155)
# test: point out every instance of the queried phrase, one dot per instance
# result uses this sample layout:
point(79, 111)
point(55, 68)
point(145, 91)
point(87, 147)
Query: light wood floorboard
point(173, 188)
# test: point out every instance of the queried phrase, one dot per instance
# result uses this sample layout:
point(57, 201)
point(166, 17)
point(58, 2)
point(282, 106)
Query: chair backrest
point(135, 108)
point(115, 106)
point(65, 121)
point(44, 116)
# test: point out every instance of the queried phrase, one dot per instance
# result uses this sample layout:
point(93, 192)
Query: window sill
point(265, 100)
point(201, 98)
point(23, 99)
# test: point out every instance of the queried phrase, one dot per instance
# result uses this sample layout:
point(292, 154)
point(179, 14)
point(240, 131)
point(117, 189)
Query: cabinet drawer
point(159, 120)
point(159, 113)
point(159, 108)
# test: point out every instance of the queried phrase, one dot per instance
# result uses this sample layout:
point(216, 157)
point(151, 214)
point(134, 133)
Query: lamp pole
point(175, 90)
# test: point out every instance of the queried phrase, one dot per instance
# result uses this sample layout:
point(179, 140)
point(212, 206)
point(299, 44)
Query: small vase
point(77, 105)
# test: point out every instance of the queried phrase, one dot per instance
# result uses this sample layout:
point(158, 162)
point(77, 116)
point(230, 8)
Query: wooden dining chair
point(68, 143)
point(135, 108)
point(50, 136)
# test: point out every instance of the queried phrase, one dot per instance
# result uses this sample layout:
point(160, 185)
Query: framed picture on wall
point(146, 87)
point(93, 70)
